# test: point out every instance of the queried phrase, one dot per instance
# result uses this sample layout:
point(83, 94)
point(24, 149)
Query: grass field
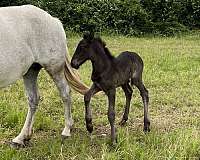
point(172, 76)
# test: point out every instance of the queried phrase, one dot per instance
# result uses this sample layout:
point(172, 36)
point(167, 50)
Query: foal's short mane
point(107, 52)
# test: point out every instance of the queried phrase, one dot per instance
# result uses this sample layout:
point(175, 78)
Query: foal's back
point(127, 64)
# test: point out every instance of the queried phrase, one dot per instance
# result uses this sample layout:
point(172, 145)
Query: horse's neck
point(100, 62)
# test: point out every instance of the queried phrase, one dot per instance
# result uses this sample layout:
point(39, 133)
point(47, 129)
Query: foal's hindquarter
point(31, 39)
point(120, 71)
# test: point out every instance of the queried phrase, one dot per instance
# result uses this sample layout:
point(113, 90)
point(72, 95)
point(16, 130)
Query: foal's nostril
point(74, 63)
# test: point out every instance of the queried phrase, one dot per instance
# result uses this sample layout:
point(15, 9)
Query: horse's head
point(83, 51)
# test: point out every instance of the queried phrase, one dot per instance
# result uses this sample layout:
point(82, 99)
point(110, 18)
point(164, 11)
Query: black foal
point(108, 74)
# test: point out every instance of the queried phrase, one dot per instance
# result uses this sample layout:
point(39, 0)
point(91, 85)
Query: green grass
point(172, 75)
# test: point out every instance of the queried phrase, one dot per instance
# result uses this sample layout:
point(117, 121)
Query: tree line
point(128, 17)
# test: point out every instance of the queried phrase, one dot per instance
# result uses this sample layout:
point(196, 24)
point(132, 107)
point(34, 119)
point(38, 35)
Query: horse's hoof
point(146, 130)
point(114, 143)
point(89, 127)
point(146, 127)
point(63, 138)
point(122, 123)
point(16, 145)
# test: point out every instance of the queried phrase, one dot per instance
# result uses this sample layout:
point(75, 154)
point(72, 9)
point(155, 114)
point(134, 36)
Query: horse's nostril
point(71, 63)
point(74, 64)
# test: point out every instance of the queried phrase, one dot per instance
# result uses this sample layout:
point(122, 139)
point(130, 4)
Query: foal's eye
point(83, 46)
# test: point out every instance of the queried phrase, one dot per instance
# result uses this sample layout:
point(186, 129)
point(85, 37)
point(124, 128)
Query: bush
point(179, 15)
point(128, 17)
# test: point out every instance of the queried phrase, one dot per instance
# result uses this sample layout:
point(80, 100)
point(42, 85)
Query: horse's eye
point(83, 46)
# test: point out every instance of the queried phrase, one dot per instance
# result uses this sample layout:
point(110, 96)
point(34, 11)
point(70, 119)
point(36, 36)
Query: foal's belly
point(113, 82)
point(123, 78)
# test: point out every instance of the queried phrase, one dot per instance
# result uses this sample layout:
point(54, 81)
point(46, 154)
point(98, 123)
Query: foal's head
point(86, 49)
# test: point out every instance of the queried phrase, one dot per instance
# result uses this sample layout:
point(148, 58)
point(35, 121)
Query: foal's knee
point(111, 116)
point(87, 98)
point(145, 94)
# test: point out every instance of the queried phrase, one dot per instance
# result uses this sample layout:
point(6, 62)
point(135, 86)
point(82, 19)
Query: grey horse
point(31, 39)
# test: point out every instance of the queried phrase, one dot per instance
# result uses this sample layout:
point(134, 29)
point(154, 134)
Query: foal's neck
point(100, 61)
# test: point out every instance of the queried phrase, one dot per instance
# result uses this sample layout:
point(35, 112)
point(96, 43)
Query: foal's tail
point(72, 76)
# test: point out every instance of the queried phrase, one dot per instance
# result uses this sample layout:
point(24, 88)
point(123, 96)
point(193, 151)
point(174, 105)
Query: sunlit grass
point(172, 76)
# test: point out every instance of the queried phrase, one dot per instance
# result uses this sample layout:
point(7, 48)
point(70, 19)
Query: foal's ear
point(88, 36)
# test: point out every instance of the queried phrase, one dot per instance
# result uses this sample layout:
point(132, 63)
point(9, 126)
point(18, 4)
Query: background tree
point(128, 17)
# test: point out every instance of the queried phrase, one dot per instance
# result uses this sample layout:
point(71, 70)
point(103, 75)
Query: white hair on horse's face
point(30, 39)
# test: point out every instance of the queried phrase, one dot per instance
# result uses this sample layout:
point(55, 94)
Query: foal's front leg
point(88, 115)
point(111, 113)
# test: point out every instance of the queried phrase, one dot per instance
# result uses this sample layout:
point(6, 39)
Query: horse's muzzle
point(74, 64)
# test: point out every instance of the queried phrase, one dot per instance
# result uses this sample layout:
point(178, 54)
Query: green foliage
point(169, 16)
point(99, 15)
point(128, 17)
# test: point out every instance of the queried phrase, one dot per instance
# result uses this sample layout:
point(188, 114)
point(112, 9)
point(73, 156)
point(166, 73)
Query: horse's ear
point(88, 36)
point(104, 43)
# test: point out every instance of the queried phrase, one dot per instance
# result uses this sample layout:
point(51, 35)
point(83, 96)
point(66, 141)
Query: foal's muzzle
point(74, 64)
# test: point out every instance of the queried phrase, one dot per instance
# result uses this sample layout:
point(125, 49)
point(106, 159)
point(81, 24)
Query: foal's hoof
point(16, 145)
point(147, 127)
point(89, 127)
point(146, 130)
point(123, 122)
point(113, 143)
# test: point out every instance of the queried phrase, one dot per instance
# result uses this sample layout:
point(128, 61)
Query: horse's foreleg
point(30, 82)
point(128, 93)
point(88, 115)
point(111, 114)
point(65, 94)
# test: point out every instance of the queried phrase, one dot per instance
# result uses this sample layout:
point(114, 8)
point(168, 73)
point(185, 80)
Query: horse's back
point(28, 35)
point(30, 26)
point(127, 63)
point(129, 57)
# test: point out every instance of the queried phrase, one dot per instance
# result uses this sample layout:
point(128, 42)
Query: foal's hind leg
point(65, 93)
point(111, 113)
point(128, 93)
point(30, 82)
point(145, 98)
